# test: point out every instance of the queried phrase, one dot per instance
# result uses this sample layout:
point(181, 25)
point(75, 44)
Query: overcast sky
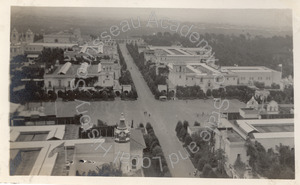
point(251, 17)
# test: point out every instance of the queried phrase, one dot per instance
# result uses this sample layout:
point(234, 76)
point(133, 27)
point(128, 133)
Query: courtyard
point(173, 111)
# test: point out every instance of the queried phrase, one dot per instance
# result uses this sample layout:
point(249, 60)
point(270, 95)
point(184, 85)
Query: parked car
point(217, 99)
point(163, 98)
point(68, 163)
point(82, 161)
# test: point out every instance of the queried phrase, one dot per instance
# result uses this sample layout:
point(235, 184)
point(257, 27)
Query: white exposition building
point(196, 66)
point(250, 74)
point(199, 74)
point(105, 74)
point(208, 77)
point(232, 135)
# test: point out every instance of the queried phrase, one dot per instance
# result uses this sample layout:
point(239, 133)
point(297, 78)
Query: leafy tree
point(104, 95)
point(108, 170)
point(266, 163)
point(182, 134)
point(215, 93)
point(259, 85)
point(148, 126)
point(196, 123)
point(187, 140)
point(151, 131)
point(52, 95)
point(105, 170)
point(275, 86)
point(71, 95)
point(154, 143)
point(157, 150)
point(207, 169)
point(197, 156)
point(60, 94)
point(208, 92)
point(239, 166)
point(178, 126)
point(185, 124)
point(147, 139)
point(221, 158)
point(201, 164)
point(45, 96)
point(286, 156)
point(212, 174)
point(19, 59)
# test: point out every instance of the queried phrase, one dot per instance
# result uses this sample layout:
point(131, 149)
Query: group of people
point(201, 114)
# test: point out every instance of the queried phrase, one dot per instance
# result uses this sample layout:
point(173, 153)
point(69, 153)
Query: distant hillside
point(40, 23)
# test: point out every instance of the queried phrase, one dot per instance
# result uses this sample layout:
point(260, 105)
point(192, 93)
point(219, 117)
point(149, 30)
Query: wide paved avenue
point(163, 123)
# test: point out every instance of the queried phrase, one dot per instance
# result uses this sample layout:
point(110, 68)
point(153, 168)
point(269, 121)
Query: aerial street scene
point(151, 92)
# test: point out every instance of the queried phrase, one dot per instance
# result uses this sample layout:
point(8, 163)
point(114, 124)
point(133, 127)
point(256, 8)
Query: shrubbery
point(126, 78)
point(191, 92)
point(106, 94)
point(205, 158)
point(105, 170)
point(242, 93)
point(148, 71)
point(153, 146)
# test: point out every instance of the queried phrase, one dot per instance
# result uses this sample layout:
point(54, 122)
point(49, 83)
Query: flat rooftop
point(266, 126)
point(28, 159)
point(274, 135)
point(177, 50)
point(204, 68)
point(260, 128)
point(246, 69)
point(265, 122)
point(250, 110)
point(60, 45)
point(233, 136)
point(266, 129)
point(36, 133)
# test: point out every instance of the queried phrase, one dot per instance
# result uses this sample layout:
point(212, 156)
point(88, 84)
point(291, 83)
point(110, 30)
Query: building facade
point(62, 77)
point(247, 75)
point(208, 77)
point(19, 42)
point(199, 74)
point(67, 36)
